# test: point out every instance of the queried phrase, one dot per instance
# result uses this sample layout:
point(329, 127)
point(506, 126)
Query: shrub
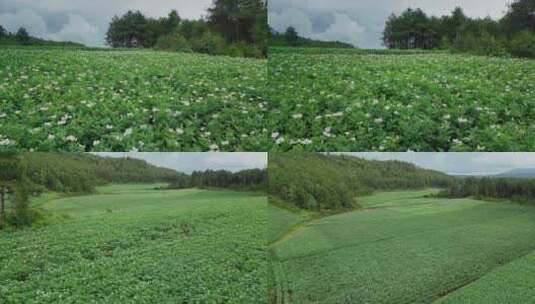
point(523, 45)
point(209, 43)
point(489, 45)
point(242, 49)
point(445, 43)
point(466, 42)
point(173, 42)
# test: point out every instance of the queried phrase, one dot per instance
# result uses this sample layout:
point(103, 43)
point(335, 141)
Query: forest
point(514, 34)
point(231, 27)
point(332, 182)
point(488, 188)
point(291, 38)
point(251, 179)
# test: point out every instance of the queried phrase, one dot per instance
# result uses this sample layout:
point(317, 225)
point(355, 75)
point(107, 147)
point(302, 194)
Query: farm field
point(142, 246)
point(512, 283)
point(412, 249)
point(343, 100)
point(74, 100)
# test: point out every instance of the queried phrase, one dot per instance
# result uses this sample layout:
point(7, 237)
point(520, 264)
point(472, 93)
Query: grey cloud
point(365, 18)
point(85, 21)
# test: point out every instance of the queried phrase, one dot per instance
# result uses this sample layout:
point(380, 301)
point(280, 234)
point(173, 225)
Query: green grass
point(128, 188)
point(80, 100)
point(512, 283)
point(350, 100)
point(396, 198)
point(413, 251)
point(280, 221)
point(143, 246)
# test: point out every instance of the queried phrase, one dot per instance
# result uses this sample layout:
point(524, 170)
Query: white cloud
point(343, 29)
point(290, 17)
point(77, 29)
point(26, 18)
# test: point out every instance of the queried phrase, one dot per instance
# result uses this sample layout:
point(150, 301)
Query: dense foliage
point(291, 38)
point(252, 179)
point(61, 100)
point(514, 34)
point(141, 246)
point(330, 182)
point(14, 189)
point(347, 100)
point(519, 190)
point(232, 27)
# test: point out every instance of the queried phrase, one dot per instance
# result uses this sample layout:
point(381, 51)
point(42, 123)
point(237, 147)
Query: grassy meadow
point(54, 99)
point(359, 100)
point(134, 244)
point(406, 247)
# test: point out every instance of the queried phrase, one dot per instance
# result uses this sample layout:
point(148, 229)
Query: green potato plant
point(357, 100)
point(77, 100)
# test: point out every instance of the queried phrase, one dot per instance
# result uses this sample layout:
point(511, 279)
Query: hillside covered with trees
point(23, 37)
point(291, 38)
point(332, 182)
point(231, 27)
point(514, 34)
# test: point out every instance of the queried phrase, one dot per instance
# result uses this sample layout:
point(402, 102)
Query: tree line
point(333, 182)
point(518, 190)
point(231, 27)
point(291, 38)
point(251, 179)
point(514, 34)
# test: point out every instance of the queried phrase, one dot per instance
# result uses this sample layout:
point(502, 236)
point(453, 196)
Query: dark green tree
point(520, 17)
point(172, 21)
point(236, 19)
point(291, 36)
point(3, 32)
point(22, 36)
point(13, 187)
point(130, 30)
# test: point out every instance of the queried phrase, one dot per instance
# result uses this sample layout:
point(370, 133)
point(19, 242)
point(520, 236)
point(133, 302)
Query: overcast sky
point(189, 162)
point(361, 22)
point(85, 21)
point(461, 163)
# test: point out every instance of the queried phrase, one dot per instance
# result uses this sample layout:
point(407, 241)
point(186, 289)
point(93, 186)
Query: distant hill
point(523, 173)
point(14, 39)
point(280, 40)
